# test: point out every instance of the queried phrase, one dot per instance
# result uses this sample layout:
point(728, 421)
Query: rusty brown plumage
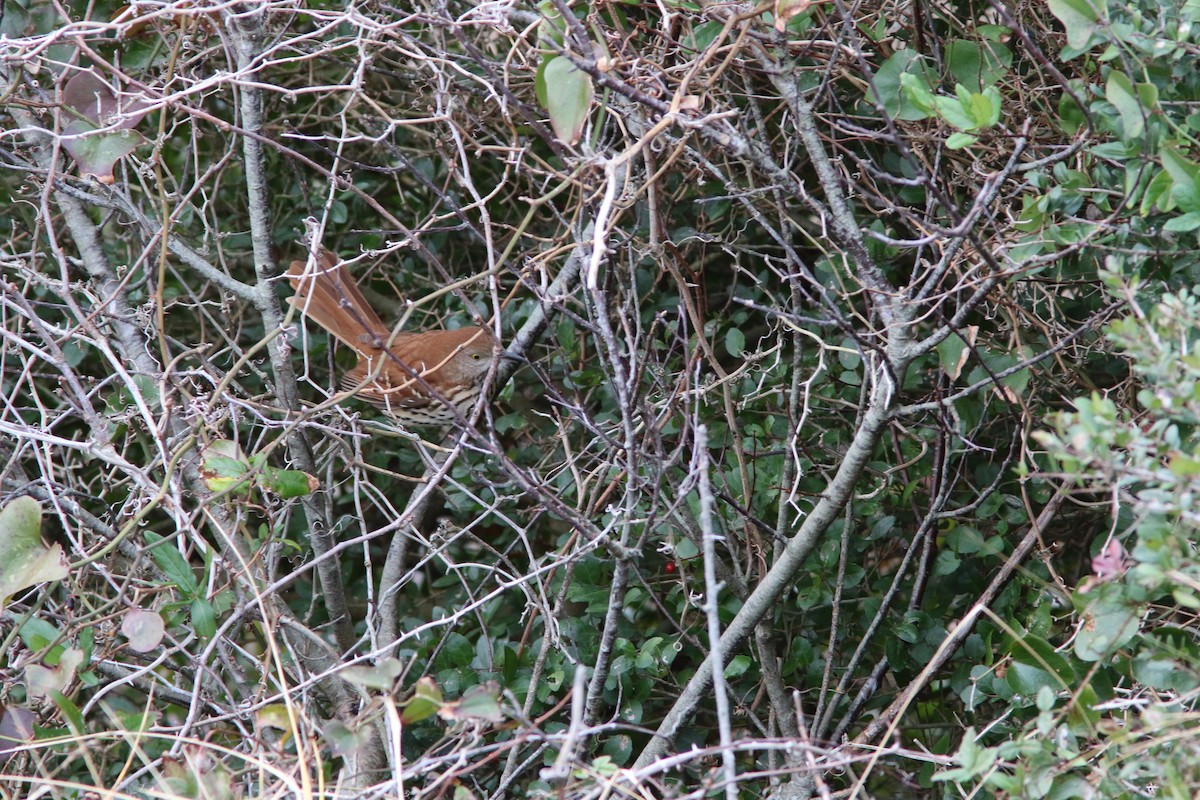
point(419, 378)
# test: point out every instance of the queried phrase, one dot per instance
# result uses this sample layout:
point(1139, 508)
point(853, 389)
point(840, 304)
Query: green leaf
point(602, 766)
point(735, 342)
point(457, 651)
point(478, 702)
point(288, 483)
point(919, 94)
point(1108, 622)
point(953, 353)
point(70, 712)
point(947, 563)
point(25, 560)
point(686, 549)
point(381, 676)
point(1183, 224)
point(173, 565)
point(957, 141)
point(976, 66)
point(204, 618)
point(1166, 675)
point(973, 760)
point(223, 474)
point(539, 82)
point(37, 634)
point(1035, 664)
point(97, 154)
point(984, 107)
point(888, 91)
point(552, 27)
point(1018, 381)
point(1079, 18)
point(121, 401)
point(737, 666)
point(619, 748)
point(1186, 197)
point(15, 22)
point(1182, 171)
point(224, 467)
point(426, 700)
point(701, 36)
point(1084, 715)
point(1028, 679)
point(100, 134)
point(566, 94)
point(1120, 92)
point(955, 112)
point(1158, 189)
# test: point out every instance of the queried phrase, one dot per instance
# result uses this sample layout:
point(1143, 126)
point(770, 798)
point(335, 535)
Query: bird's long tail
point(331, 298)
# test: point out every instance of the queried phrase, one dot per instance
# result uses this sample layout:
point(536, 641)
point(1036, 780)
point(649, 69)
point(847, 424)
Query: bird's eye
point(477, 356)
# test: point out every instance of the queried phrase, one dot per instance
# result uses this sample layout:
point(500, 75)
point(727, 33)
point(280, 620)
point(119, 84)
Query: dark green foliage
point(987, 249)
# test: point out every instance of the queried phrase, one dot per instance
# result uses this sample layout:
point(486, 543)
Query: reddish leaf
point(16, 728)
point(144, 629)
point(101, 132)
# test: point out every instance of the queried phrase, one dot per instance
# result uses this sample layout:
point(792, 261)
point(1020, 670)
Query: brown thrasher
point(425, 378)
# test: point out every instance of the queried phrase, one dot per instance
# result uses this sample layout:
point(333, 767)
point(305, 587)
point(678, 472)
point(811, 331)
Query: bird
point(418, 378)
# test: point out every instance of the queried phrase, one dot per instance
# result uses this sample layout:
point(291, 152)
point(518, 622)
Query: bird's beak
point(514, 357)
